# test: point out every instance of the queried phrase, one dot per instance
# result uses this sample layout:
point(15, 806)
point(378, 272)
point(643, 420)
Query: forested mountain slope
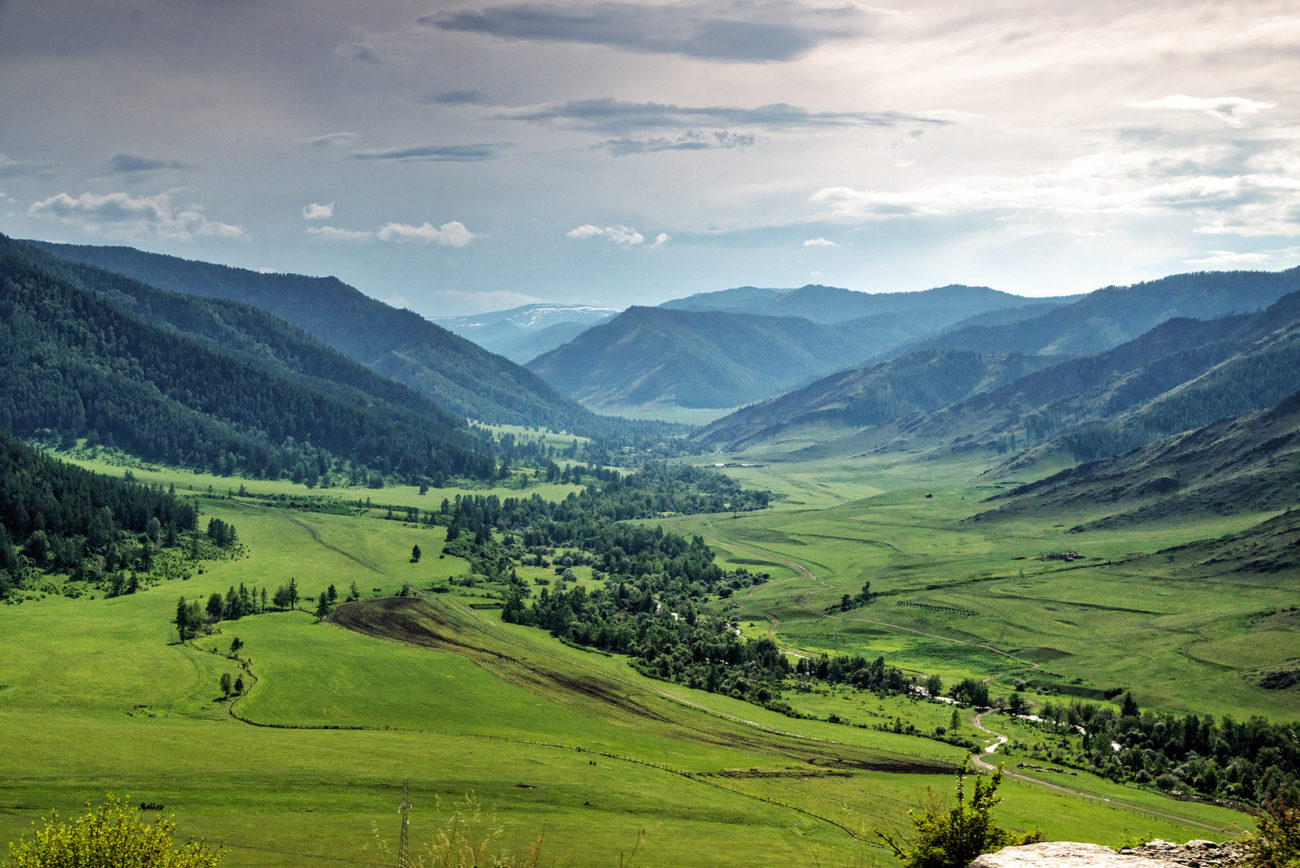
point(399, 344)
point(1249, 462)
point(74, 365)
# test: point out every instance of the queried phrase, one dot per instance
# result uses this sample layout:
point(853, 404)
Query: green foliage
point(950, 837)
point(1276, 842)
point(113, 835)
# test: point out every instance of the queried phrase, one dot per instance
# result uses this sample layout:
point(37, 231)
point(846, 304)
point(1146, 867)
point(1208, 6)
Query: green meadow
point(606, 766)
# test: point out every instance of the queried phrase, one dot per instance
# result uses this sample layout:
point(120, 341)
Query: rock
point(1062, 854)
point(1153, 854)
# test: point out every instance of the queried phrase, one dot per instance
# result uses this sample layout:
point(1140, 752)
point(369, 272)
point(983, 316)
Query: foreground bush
point(114, 835)
point(951, 837)
point(1276, 842)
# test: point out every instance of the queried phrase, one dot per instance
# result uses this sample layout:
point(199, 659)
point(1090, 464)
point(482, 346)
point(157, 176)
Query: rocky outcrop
point(1153, 854)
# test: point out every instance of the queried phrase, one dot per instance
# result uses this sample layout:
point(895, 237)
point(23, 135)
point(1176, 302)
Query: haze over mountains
point(524, 333)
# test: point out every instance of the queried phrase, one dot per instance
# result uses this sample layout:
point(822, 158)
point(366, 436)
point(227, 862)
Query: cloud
point(618, 116)
point(689, 141)
point(125, 164)
point(333, 233)
point(819, 242)
point(1228, 109)
point(438, 153)
point(11, 168)
point(316, 211)
point(457, 97)
point(1217, 193)
point(126, 217)
point(453, 234)
point(333, 140)
point(624, 236)
point(1227, 259)
point(748, 31)
point(458, 302)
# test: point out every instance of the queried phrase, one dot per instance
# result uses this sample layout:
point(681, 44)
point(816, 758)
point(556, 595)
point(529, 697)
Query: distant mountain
point(831, 305)
point(652, 356)
point(524, 333)
point(1108, 317)
point(461, 376)
point(203, 383)
point(1180, 374)
point(872, 395)
point(1244, 463)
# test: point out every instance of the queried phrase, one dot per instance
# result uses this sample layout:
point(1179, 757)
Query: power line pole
point(403, 852)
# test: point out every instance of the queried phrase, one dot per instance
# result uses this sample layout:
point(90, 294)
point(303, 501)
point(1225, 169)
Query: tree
point(188, 619)
point(215, 607)
point(1276, 841)
point(951, 837)
point(235, 644)
point(415, 554)
point(323, 606)
point(283, 599)
point(114, 834)
point(239, 686)
point(227, 684)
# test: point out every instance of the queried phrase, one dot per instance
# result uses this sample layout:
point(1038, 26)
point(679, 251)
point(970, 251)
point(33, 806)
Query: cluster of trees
point(1248, 761)
point(56, 517)
point(856, 601)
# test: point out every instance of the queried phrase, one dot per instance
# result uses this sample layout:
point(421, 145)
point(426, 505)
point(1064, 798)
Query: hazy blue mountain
point(458, 374)
point(653, 356)
point(524, 333)
point(1108, 317)
point(830, 305)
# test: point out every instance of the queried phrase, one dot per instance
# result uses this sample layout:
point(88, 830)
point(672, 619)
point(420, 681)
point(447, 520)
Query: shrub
point(1276, 842)
point(950, 837)
point(114, 835)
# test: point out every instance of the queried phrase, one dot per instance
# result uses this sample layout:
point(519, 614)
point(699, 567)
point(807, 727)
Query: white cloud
point(316, 211)
point(819, 242)
point(458, 302)
point(1219, 259)
point(622, 235)
point(332, 233)
point(122, 216)
point(1228, 109)
point(453, 234)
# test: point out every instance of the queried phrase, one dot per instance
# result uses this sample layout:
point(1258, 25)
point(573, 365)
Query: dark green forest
point(55, 517)
point(75, 366)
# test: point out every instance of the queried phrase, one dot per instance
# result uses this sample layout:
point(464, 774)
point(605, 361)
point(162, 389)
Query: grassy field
point(608, 767)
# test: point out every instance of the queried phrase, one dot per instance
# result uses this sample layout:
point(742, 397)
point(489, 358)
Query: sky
point(458, 157)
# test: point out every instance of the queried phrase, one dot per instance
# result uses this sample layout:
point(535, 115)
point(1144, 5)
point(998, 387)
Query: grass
point(607, 765)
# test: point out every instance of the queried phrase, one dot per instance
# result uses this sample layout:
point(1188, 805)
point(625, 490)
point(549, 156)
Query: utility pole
point(403, 848)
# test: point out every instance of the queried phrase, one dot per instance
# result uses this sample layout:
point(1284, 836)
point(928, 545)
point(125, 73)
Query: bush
point(114, 835)
point(951, 837)
point(1276, 842)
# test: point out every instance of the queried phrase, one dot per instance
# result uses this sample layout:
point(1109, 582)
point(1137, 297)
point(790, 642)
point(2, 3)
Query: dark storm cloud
point(124, 164)
point(438, 153)
point(691, 141)
point(614, 116)
point(726, 31)
point(457, 97)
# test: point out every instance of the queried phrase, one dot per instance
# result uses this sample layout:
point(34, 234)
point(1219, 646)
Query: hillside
point(524, 333)
point(652, 356)
point(76, 366)
point(1108, 317)
point(461, 376)
point(872, 395)
point(1179, 375)
point(1247, 463)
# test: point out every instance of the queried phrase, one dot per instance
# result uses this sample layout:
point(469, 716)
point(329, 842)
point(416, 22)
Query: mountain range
point(459, 375)
point(524, 333)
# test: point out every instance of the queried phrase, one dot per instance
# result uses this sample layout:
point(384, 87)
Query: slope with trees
point(399, 344)
point(76, 366)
